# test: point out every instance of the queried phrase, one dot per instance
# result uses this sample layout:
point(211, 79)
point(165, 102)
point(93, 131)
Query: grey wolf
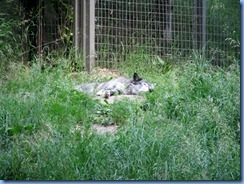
point(117, 86)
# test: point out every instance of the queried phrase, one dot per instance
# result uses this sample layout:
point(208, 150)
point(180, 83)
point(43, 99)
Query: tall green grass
point(187, 129)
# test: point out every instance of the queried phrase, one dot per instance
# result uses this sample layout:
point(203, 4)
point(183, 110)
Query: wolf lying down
point(117, 86)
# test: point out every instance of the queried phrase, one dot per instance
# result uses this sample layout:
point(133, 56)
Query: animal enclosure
point(107, 32)
point(187, 128)
point(171, 29)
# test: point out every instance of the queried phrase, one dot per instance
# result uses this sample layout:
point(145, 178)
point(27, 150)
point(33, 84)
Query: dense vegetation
point(187, 129)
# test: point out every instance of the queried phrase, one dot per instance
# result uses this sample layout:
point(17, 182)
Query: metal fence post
point(88, 30)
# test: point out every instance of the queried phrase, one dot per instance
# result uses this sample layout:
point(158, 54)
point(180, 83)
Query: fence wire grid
point(55, 25)
point(171, 29)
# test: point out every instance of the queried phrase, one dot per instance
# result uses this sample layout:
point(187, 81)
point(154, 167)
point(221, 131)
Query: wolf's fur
point(120, 85)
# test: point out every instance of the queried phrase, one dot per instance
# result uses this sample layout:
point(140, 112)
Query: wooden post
point(77, 29)
point(88, 33)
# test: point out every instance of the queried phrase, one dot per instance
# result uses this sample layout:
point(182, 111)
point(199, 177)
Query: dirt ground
point(99, 129)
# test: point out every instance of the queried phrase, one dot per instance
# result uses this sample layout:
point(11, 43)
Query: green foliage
point(11, 34)
point(225, 44)
point(188, 128)
point(124, 112)
point(10, 51)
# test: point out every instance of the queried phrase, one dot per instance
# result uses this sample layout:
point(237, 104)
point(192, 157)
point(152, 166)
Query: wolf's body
point(120, 86)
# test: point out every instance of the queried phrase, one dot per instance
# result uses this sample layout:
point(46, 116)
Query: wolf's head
point(139, 85)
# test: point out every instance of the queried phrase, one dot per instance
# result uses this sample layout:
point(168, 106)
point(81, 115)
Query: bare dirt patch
point(112, 99)
point(99, 129)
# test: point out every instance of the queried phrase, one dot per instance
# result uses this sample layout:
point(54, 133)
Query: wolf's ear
point(136, 77)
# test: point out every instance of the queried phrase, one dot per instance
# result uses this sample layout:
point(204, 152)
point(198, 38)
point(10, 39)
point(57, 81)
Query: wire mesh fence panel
point(54, 26)
point(223, 31)
point(171, 29)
